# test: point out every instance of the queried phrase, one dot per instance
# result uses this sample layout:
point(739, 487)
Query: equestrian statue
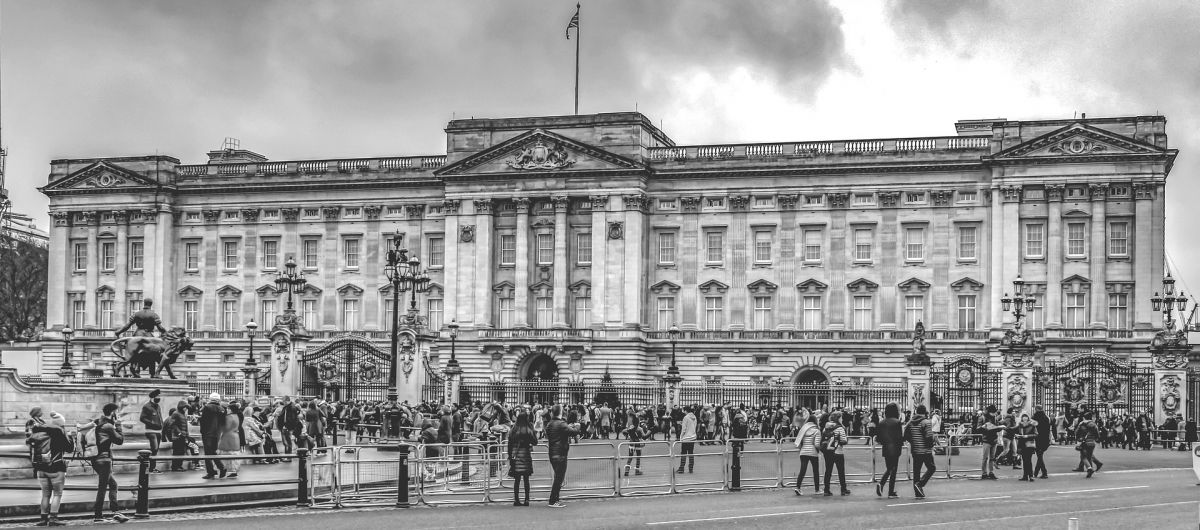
point(143, 349)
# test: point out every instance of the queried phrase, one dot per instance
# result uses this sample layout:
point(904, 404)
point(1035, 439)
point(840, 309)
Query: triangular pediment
point(812, 285)
point(862, 285)
point(713, 286)
point(101, 176)
point(538, 152)
point(664, 287)
point(913, 284)
point(1079, 140)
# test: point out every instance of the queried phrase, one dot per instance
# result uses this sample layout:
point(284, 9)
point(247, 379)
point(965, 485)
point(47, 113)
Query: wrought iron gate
point(348, 367)
point(1193, 395)
point(964, 384)
point(1097, 381)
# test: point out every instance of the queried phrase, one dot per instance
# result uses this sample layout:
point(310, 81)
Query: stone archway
point(810, 388)
point(538, 367)
point(538, 379)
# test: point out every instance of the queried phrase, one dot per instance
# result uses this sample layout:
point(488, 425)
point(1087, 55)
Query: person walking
point(176, 432)
point(1087, 433)
point(808, 440)
point(1026, 438)
point(229, 443)
point(687, 441)
point(108, 434)
point(558, 441)
point(889, 436)
point(833, 442)
point(521, 440)
point(48, 444)
point(212, 420)
point(919, 435)
point(152, 419)
point(989, 429)
point(636, 435)
point(1044, 427)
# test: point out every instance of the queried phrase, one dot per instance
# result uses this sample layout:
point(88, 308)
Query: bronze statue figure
point(152, 353)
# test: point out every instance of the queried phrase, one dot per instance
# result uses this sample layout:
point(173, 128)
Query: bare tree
point(23, 277)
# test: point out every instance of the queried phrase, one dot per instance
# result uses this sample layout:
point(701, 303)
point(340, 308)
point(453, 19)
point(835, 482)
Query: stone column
point(370, 263)
point(1170, 358)
point(599, 259)
point(1097, 255)
point(164, 277)
point(996, 260)
point(483, 262)
point(1052, 306)
point(93, 270)
point(453, 269)
point(1010, 265)
point(120, 309)
point(59, 259)
point(1016, 374)
point(560, 260)
point(635, 235)
point(521, 272)
point(1146, 277)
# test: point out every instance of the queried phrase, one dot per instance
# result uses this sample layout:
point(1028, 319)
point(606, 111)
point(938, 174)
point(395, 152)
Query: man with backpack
point(152, 419)
point(919, 435)
point(108, 433)
point(48, 445)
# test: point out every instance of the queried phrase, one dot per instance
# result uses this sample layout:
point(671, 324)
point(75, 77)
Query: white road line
point(731, 517)
point(1151, 470)
point(1011, 517)
point(1101, 489)
point(950, 500)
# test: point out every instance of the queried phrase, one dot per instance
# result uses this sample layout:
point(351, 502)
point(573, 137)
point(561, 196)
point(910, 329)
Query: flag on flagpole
point(574, 23)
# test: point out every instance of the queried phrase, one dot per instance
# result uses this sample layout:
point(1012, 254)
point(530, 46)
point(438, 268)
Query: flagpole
point(577, 62)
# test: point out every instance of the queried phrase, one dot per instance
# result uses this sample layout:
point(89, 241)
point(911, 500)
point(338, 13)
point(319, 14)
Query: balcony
point(535, 333)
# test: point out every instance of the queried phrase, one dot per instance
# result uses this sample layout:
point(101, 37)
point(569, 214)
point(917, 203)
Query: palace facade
point(569, 245)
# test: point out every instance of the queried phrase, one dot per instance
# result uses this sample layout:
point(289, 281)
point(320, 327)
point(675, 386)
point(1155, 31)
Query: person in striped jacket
point(919, 435)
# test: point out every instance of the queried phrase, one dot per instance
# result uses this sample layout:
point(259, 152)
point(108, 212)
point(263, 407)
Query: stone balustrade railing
point(810, 149)
point(307, 167)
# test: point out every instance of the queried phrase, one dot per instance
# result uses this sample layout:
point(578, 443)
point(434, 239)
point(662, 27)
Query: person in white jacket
point(808, 440)
point(687, 439)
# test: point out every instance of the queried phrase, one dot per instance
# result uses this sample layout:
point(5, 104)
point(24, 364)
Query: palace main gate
point(348, 367)
point(1097, 381)
point(964, 384)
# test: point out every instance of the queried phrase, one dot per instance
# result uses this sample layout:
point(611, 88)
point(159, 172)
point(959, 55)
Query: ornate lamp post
point(453, 370)
point(1017, 348)
point(672, 379)
point(1169, 350)
point(251, 367)
point(1169, 302)
point(293, 282)
point(66, 372)
point(1019, 304)
point(405, 275)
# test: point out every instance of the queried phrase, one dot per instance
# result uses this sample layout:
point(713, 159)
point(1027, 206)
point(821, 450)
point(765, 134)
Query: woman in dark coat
point(1043, 425)
point(521, 440)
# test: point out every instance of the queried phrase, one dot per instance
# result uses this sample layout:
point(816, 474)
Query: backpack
point(87, 443)
point(831, 440)
point(40, 454)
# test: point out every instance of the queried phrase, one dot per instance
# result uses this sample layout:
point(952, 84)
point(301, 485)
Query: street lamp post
point(291, 281)
point(1019, 304)
point(672, 379)
point(1169, 302)
point(66, 372)
point(453, 370)
point(251, 367)
point(405, 274)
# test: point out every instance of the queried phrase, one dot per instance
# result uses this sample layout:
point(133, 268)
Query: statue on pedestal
point(918, 357)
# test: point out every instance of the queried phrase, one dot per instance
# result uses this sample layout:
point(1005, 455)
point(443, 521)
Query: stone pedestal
point(672, 379)
point(918, 381)
point(1016, 376)
point(411, 373)
point(286, 351)
point(1170, 380)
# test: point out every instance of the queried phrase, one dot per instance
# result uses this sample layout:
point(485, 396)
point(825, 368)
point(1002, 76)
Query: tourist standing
point(989, 430)
point(108, 433)
point(1043, 440)
point(151, 418)
point(919, 436)
point(636, 434)
point(889, 436)
point(229, 443)
point(558, 440)
point(35, 419)
point(176, 432)
point(212, 420)
point(1026, 437)
point(808, 440)
point(521, 440)
point(1087, 433)
point(687, 441)
point(833, 441)
point(48, 445)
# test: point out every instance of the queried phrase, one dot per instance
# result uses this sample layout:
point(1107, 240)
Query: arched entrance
point(539, 379)
point(810, 388)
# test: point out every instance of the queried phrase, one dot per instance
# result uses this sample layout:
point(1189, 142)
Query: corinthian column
point(521, 274)
point(560, 261)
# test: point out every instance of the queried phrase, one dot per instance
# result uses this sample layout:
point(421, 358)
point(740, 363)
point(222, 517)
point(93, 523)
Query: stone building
point(568, 245)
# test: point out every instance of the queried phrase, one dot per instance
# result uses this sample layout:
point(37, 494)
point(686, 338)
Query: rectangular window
point(135, 302)
point(583, 248)
point(545, 249)
point(79, 313)
point(1076, 239)
point(864, 199)
point(762, 360)
point(81, 256)
point(230, 253)
point(1076, 311)
point(914, 197)
point(349, 315)
point(966, 311)
point(191, 256)
point(968, 196)
point(862, 360)
point(227, 357)
point(812, 246)
point(108, 256)
point(1035, 240)
point(666, 248)
point(762, 246)
point(1118, 311)
point(1037, 316)
point(863, 242)
point(667, 204)
point(763, 202)
point(543, 312)
point(270, 215)
point(270, 253)
point(967, 242)
point(762, 312)
point(388, 307)
point(814, 200)
point(712, 360)
point(666, 312)
point(714, 313)
point(714, 203)
point(812, 313)
point(715, 247)
point(435, 313)
point(309, 253)
point(350, 253)
point(137, 255)
point(191, 315)
point(506, 313)
point(267, 317)
point(1118, 238)
point(914, 310)
point(914, 244)
point(229, 316)
point(583, 311)
point(437, 252)
point(308, 310)
point(106, 314)
point(508, 249)
point(864, 313)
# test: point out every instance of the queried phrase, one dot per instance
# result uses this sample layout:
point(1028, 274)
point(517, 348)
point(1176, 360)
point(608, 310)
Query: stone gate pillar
point(410, 376)
point(1016, 376)
point(286, 350)
point(919, 365)
point(1169, 352)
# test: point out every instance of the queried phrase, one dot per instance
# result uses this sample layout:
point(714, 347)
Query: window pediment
point(913, 285)
point(1119, 287)
point(966, 284)
point(435, 291)
point(229, 291)
point(542, 288)
point(350, 290)
point(713, 286)
point(1077, 284)
point(267, 290)
point(664, 286)
point(812, 286)
point(862, 285)
point(581, 288)
point(762, 287)
point(190, 291)
point(504, 289)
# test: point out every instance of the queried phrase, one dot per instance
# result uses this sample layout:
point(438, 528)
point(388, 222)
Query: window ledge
point(665, 266)
point(1029, 259)
point(863, 264)
point(762, 265)
point(968, 261)
point(1076, 258)
point(1119, 258)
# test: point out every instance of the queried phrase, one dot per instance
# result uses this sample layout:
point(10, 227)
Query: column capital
point(599, 202)
point(888, 199)
point(637, 202)
point(838, 200)
point(451, 206)
point(522, 204)
point(331, 213)
point(1144, 190)
point(290, 215)
point(739, 202)
point(690, 204)
point(1099, 191)
point(414, 211)
point(210, 216)
point(1010, 193)
point(61, 218)
point(250, 215)
point(560, 203)
point(1054, 192)
point(89, 218)
point(120, 216)
point(483, 206)
point(372, 211)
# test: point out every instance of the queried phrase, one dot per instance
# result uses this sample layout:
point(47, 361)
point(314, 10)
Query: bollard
point(735, 468)
point(402, 480)
point(1073, 523)
point(142, 506)
point(302, 477)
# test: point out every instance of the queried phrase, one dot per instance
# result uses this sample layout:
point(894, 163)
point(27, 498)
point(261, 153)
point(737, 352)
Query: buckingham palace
point(576, 246)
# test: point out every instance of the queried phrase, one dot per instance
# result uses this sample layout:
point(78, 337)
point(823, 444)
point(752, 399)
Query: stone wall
point(80, 402)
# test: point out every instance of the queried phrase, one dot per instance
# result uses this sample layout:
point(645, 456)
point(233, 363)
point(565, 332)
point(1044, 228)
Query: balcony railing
point(810, 149)
point(535, 333)
point(310, 167)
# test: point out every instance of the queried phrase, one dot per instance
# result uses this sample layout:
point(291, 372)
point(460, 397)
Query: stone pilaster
point(521, 273)
point(599, 259)
point(1097, 256)
point(483, 263)
point(561, 229)
point(1146, 277)
point(59, 274)
point(1052, 308)
point(121, 279)
point(93, 270)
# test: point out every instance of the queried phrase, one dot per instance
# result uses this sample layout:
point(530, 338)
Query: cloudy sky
point(302, 79)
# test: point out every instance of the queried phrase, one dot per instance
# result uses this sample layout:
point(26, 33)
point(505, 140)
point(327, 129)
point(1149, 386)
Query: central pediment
point(1079, 140)
point(539, 152)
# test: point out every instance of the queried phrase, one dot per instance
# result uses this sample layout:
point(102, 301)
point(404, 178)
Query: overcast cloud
point(303, 79)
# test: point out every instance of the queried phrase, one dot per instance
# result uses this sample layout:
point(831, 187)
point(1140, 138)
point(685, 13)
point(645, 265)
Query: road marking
point(1151, 470)
point(1101, 489)
point(976, 521)
point(950, 500)
point(731, 517)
